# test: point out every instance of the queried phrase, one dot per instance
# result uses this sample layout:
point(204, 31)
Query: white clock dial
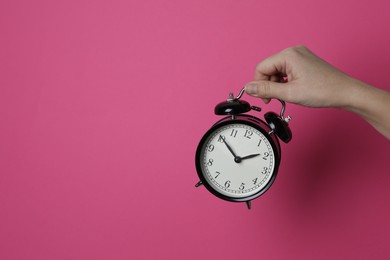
point(237, 160)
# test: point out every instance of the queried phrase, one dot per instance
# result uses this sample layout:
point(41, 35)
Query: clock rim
point(250, 121)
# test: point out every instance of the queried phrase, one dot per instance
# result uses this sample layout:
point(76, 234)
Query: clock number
point(264, 171)
point(210, 162)
point(242, 186)
point(210, 148)
point(248, 134)
point(266, 154)
point(254, 181)
point(227, 184)
point(259, 143)
point(221, 138)
point(218, 173)
point(233, 133)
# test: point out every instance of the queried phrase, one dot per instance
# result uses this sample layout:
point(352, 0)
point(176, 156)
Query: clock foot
point(248, 204)
point(198, 184)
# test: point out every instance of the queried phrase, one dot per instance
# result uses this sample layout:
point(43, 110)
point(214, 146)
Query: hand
point(228, 146)
point(298, 76)
point(249, 156)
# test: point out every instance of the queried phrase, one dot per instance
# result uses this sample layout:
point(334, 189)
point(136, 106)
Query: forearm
point(372, 104)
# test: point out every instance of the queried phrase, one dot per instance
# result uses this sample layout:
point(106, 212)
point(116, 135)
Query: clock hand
point(250, 156)
point(228, 147)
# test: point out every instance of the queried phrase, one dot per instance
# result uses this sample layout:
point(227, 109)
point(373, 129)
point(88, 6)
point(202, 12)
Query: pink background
point(102, 104)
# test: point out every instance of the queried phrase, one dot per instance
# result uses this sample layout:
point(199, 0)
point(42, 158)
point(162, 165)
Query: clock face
point(237, 161)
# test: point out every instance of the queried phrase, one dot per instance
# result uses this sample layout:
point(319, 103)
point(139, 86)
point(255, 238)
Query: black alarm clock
point(238, 158)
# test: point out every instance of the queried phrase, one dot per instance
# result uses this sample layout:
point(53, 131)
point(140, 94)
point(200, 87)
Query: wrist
point(372, 104)
point(360, 97)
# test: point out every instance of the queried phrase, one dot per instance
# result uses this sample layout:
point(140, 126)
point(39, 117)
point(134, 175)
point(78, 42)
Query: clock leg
point(198, 184)
point(248, 204)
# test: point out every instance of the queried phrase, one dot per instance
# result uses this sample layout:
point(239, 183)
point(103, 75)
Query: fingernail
point(250, 88)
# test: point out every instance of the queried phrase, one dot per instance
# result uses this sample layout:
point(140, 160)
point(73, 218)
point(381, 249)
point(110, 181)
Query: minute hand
point(228, 147)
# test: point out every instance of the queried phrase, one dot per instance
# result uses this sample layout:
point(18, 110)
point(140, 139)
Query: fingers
point(267, 75)
point(275, 78)
point(267, 90)
point(272, 66)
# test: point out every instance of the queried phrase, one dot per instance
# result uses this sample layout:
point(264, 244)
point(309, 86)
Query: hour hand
point(228, 146)
point(250, 156)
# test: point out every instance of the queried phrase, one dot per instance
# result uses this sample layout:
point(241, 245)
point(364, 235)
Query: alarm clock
point(238, 158)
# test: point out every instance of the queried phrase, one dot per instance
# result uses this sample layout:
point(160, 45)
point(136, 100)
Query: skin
point(297, 75)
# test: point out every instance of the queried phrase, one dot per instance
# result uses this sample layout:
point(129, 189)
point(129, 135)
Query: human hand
point(298, 76)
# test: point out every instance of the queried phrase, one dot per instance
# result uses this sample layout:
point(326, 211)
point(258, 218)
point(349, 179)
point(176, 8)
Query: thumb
point(266, 90)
